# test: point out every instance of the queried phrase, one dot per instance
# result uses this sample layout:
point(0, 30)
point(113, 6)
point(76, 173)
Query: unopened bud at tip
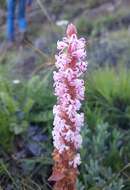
point(71, 29)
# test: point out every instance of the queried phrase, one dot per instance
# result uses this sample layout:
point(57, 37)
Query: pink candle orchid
point(69, 89)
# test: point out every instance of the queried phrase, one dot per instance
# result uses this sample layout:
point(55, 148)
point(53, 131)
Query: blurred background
point(26, 95)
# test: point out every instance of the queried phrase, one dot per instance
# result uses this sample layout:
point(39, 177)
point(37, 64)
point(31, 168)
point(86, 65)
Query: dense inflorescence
point(69, 89)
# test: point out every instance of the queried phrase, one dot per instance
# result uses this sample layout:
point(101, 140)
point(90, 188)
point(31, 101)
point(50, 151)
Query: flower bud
point(71, 29)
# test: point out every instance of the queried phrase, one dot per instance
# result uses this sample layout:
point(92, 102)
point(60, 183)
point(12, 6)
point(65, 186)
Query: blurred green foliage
point(2, 3)
point(24, 103)
point(13, 113)
point(109, 91)
point(106, 139)
point(101, 145)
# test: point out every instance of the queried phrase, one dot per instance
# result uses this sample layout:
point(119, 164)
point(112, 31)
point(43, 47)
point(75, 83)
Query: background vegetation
point(26, 96)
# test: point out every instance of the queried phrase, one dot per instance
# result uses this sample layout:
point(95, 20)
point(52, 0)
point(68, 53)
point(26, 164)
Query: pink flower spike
point(69, 89)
